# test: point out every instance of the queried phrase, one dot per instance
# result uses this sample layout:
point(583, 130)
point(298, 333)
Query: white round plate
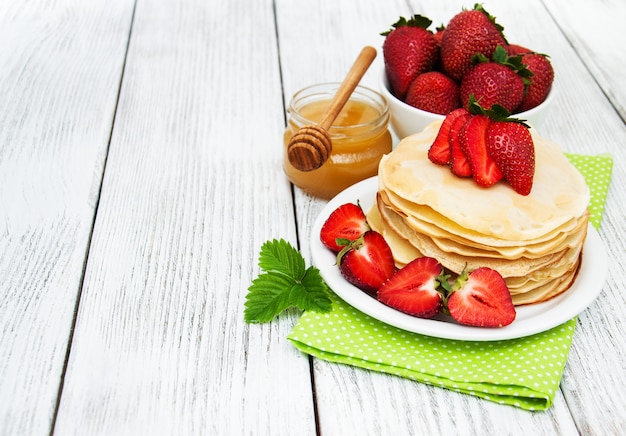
point(530, 319)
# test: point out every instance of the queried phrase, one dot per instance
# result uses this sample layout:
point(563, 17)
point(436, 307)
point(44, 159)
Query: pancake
point(438, 225)
point(559, 192)
point(403, 252)
point(549, 290)
point(450, 242)
point(534, 241)
point(456, 262)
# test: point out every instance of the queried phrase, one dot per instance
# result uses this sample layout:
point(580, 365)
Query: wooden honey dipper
point(311, 145)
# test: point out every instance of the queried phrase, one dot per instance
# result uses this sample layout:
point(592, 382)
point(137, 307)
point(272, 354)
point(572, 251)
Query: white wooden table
point(140, 172)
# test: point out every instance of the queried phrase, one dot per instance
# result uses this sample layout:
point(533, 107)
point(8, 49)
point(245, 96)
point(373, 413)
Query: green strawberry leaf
point(496, 112)
point(313, 294)
point(285, 283)
point(267, 297)
point(281, 257)
point(415, 21)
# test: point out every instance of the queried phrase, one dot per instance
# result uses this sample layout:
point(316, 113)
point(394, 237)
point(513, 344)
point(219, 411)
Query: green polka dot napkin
point(597, 172)
point(523, 372)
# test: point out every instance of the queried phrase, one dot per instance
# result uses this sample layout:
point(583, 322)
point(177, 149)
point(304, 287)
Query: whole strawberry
point(439, 34)
point(516, 49)
point(491, 83)
point(433, 92)
point(540, 82)
point(409, 50)
point(511, 146)
point(499, 81)
point(469, 32)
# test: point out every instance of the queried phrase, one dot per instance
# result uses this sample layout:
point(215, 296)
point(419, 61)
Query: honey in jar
point(360, 137)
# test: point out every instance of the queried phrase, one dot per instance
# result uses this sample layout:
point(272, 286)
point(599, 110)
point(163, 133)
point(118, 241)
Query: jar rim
point(327, 90)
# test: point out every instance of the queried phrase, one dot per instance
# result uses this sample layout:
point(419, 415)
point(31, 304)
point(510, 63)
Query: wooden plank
point(595, 31)
point(384, 404)
point(193, 187)
point(60, 68)
point(417, 409)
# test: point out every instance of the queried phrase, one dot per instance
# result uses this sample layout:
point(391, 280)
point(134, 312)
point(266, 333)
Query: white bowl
point(407, 120)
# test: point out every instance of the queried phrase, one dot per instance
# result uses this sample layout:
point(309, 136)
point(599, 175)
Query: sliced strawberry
point(413, 289)
point(343, 225)
point(473, 142)
point(440, 152)
point(459, 164)
point(511, 146)
point(481, 299)
point(367, 262)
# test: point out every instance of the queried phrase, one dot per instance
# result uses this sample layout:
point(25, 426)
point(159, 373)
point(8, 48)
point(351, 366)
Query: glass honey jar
point(360, 137)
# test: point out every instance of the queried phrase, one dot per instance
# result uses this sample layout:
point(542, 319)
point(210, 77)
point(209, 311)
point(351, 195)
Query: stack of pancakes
point(535, 242)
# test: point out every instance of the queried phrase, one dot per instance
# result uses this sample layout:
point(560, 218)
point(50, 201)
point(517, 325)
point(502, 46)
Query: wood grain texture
point(592, 125)
point(595, 29)
point(60, 69)
point(193, 187)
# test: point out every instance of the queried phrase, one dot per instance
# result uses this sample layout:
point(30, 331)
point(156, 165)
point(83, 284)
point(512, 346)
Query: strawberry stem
point(415, 21)
point(460, 280)
point(349, 246)
point(496, 112)
point(501, 56)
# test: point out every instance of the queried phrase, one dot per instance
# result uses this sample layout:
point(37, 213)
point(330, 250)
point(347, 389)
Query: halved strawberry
point(367, 262)
point(413, 289)
point(473, 141)
point(459, 164)
point(343, 225)
point(511, 146)
point(481, 298)
point(440, 151)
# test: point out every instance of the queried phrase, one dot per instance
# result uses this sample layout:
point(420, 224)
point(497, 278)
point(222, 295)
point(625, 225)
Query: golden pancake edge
point(534, 241)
